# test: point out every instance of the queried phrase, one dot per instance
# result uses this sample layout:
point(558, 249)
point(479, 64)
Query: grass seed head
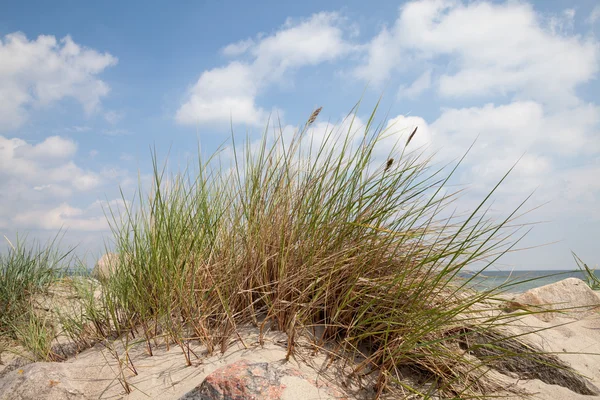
point(411, 135)
point(314, 115)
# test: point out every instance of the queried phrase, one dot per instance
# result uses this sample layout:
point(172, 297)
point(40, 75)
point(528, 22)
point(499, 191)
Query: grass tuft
point(26, 270)
point(334, 236)
point(590, 275)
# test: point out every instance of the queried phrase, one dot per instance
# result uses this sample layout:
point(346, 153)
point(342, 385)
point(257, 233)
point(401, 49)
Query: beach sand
point(94, 373)
point(573, 341)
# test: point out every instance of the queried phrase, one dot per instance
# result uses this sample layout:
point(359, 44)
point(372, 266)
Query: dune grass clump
point(590, 275)
point(27, 270)
point(336, 236)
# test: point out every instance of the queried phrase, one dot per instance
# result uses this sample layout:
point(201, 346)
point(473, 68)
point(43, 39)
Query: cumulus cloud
point(321, 135)
point(43, 162)
point(496, 49)
point(39, 181)
point(229, 93)
point(308, 42)
point(37, 73)
point(65, 216)
point(51, 149)
point(421, 84)
point(61, 217)
point(239, 48)
point(221, 92)
point(544, 144)
point(515, 73)
point(519, 127)
point(399, 129)
point(594, 15)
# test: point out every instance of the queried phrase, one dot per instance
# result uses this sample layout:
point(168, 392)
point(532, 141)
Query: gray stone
point(49, 381)
point(14, 364)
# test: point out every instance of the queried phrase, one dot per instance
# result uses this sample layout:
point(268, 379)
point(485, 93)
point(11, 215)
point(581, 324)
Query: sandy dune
point(94, 373)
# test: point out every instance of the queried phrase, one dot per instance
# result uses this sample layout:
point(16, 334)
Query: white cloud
point(40, 162)
point(57, 191)
point(81, 182)
point(515, 72)
point(78, 129)
point(310, 42)
point(382, 58)
point(221, 95)
point(500, 128)
point(37, 73)
point(65, 216)
point(120, 177)
point(44, 163)
point(421, 84)
point(62, 217)
point(319, 135)
point(329, 135)
point(399, 129)
point(544, 143)
point(563, 23)
point(482, 50)
point(229, 93)
point(35, 177)
point(51, 149)
point(594, 15)
point(237, 49)
point(113, 117)
point(581, 184)
point(521, 126)
point(495, 49)
point(523, 131)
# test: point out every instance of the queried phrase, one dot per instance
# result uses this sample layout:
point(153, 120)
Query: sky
point(88, 89)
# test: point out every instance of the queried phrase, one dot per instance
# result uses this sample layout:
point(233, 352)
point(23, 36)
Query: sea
point(520, 281)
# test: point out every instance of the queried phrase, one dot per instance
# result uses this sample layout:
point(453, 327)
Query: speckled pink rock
point(244, 380)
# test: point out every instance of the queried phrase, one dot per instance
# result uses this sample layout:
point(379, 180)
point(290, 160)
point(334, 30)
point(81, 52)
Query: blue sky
point(86, 88)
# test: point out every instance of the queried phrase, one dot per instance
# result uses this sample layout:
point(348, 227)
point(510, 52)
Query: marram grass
point(590, 275)
point(331, 236)
point(313, 235)
point(26, 269)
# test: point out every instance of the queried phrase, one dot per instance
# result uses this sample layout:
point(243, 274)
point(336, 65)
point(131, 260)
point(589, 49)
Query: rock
point(39, 381)
point(244, 380)
point(570, 297)
point(106, 266)
point(16, 363)
point(65, 350)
